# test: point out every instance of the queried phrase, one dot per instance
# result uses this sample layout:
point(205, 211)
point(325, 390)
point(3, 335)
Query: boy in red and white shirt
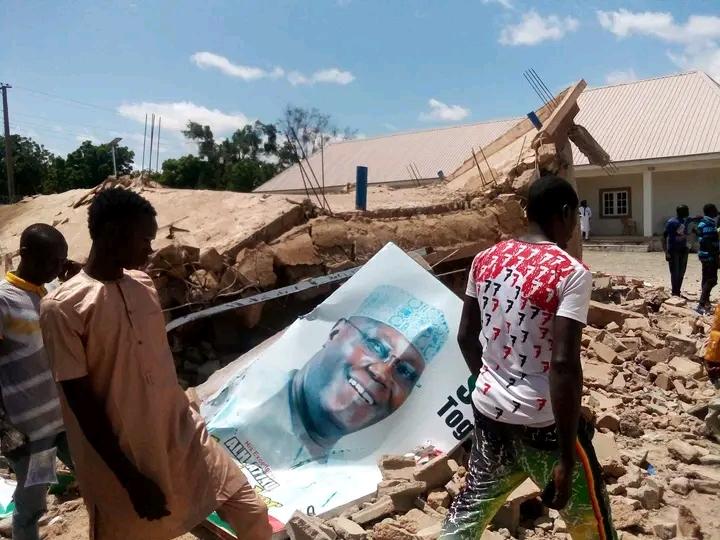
point(526, 304)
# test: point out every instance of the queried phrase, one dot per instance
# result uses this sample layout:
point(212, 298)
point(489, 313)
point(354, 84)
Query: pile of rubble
point(647, 394)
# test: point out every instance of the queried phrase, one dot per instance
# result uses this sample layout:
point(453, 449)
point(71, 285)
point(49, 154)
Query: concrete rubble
point(661, 469)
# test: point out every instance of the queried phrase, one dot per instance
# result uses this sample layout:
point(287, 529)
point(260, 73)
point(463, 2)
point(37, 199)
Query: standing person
point(520, 334)
point(708, 253)
point(145, 462)
point(29, 396)
point(676, 248)
point(585, 215)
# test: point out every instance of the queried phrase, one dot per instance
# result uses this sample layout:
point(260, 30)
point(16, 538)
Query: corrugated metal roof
point(671, 116)
point(388, 157)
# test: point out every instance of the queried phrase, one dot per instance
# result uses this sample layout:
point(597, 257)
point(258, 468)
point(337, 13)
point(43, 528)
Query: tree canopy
point(243, 161)
point(251, 155)
point(37, 170)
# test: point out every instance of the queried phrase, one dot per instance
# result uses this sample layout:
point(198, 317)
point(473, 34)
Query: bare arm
point(565, 394)
point(148, 500)
point(566, 383)
point(469, 334)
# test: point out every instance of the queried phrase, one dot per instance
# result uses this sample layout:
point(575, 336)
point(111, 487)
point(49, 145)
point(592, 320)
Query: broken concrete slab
point(600, 315)
point(303, 527)
point(436, 472)
point(603, 352)
point(686, 368)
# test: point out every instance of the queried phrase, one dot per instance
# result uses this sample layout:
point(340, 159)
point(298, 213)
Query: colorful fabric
point(676, 233)
point(29, 394)
point(521, 287)
point(503, 456)
point(707, 234)
point(114, 334)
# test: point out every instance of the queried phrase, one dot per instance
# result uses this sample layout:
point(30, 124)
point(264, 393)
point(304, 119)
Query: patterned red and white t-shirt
point(521, 287)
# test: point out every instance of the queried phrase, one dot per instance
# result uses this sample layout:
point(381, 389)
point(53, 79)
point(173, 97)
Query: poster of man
point(368, 372)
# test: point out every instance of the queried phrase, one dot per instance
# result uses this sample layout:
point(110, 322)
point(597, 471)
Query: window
point(615, 203)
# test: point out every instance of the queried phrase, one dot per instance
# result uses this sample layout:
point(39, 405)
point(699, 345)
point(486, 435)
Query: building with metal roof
point(663, 134)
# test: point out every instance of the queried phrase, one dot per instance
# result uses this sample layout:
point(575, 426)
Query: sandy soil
point(650, 267)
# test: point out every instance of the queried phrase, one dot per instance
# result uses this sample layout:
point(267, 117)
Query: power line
point(68, 100)
point(50, 133)
point(63, 122)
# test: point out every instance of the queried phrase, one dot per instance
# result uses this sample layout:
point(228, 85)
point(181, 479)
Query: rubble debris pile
point(645, 389)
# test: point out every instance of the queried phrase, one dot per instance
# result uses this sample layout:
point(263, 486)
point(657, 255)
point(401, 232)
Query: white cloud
point(175, 115)
point(624, 23)
point(329, 76)
point(205, 60)
point(698, 38)
point(507, 4)
point(621, 76)
point(535, 28)
point(441, 112)
point(208, 60)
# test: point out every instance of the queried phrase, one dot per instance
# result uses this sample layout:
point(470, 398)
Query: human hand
point(147, 498)
point(557, 493)
point(667, 257)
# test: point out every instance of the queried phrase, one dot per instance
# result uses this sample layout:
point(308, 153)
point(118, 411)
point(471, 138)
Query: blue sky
point(375, 66)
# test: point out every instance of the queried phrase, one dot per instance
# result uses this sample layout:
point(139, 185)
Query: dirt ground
point(650, 267)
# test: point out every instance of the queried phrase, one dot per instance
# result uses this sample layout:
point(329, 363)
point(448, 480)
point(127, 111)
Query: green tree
point(32, 166)
point(89, 165)
point(186, 172)
point(306, 130)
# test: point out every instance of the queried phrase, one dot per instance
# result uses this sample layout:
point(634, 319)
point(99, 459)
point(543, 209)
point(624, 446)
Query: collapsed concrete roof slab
point(224, 220)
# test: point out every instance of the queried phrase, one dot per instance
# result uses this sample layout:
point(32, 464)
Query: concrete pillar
point(647, 204)
point(568, 173)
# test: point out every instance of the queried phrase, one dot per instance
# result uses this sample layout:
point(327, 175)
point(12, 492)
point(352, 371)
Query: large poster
point(373, 370)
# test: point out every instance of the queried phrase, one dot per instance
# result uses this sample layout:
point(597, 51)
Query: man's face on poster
point(364, 372)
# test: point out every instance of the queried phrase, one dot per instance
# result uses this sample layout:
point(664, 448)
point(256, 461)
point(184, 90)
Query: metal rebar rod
point(488, 165)
point(477, 164)
point(542, 83)
point(533, 85)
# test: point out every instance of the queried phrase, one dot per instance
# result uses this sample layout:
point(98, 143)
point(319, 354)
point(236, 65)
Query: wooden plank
point(567, 106)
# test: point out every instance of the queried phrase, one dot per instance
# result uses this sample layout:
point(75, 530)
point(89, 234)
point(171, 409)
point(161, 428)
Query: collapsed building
point(214, 247)
point(644, 382)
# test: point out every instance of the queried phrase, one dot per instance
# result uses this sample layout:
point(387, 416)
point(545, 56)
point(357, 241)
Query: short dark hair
point(116, 205)
point(583, 202)
point(547, 198)
point(710, 208)
point(682, 210)
point(41, 235)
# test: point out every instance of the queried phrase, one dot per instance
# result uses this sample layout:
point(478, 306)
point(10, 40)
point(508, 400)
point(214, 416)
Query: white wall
point(694, 188)
point(589, 189)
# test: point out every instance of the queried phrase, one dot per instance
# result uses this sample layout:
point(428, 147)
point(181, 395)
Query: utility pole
point(8, 145)
point(157, 157)
point(152, 133)
point(142, 167)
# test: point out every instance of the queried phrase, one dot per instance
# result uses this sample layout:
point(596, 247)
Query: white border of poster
point(375, 369)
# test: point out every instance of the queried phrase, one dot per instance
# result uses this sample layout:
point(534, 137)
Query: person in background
point(29, 396)
point(585, 215)
point(708, 253)
point(146, 464)
point(676, 248)
point(520, 333)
